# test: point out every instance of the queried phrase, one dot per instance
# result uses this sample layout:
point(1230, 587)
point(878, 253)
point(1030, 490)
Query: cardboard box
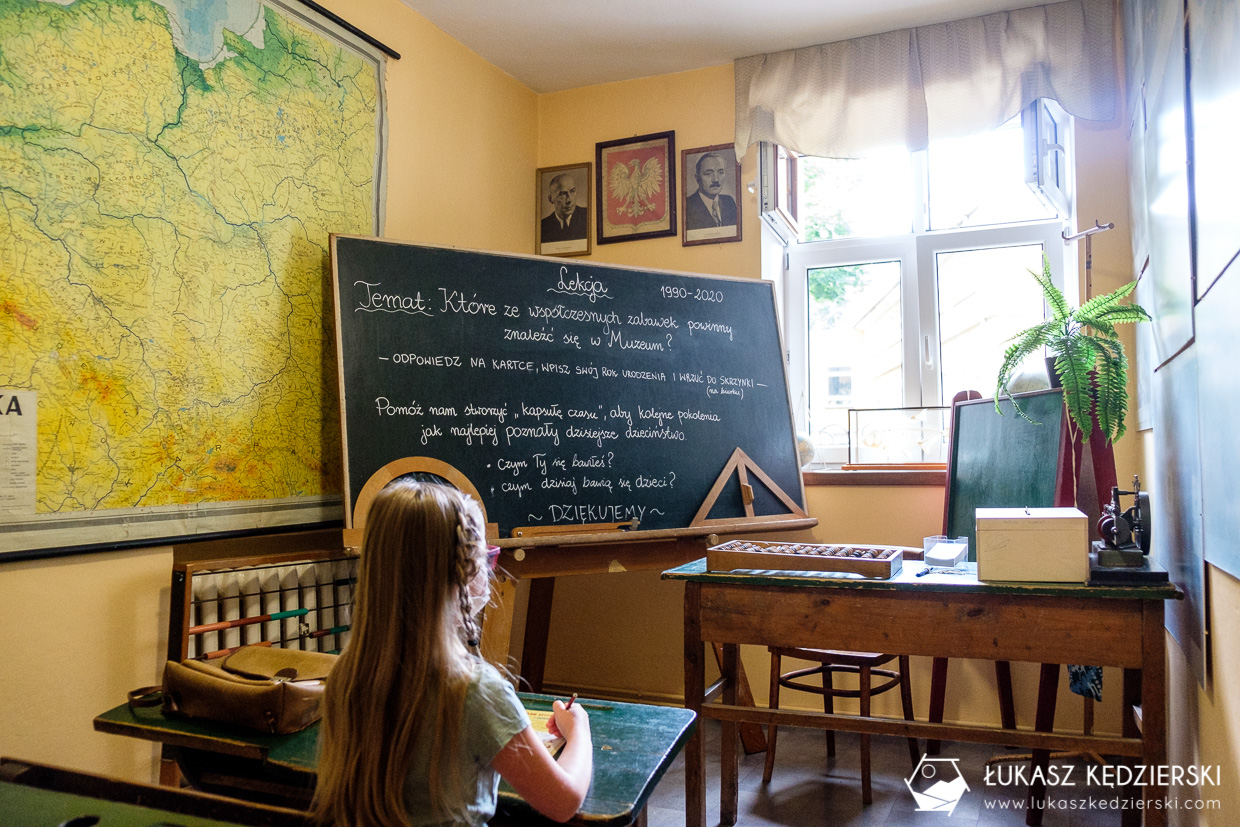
point(1032, 545)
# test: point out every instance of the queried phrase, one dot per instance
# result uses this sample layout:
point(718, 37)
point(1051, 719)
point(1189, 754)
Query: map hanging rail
point(349, 27)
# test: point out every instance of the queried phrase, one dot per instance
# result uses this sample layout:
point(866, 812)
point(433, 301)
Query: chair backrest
point(297, 600)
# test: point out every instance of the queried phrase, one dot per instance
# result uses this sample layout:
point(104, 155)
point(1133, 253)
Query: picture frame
point(711, 205)
point(562, 216)
point(636, 183)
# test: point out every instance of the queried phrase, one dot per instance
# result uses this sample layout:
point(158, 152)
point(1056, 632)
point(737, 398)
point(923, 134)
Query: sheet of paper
point(18, 452)
point(539, 718)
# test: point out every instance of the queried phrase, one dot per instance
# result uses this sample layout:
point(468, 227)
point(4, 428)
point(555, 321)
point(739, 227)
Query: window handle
point(925, 350)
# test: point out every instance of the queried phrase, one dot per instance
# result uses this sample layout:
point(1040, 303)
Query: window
point(909, 272)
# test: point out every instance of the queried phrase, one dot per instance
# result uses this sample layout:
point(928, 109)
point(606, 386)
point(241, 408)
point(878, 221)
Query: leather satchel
point(257, 687)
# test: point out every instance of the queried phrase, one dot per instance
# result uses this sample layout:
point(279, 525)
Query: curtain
point(912, 86)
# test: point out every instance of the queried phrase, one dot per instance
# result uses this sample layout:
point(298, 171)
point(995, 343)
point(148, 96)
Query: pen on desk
point(923, 572)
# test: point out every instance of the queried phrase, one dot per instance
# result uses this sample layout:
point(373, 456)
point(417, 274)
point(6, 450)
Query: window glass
point(856, 198)
point(854, 344)
point(979, 180)
point(985, 297)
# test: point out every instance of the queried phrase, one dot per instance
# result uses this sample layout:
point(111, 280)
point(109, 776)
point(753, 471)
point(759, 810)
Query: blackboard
point(1002, 461)
point(568, 393)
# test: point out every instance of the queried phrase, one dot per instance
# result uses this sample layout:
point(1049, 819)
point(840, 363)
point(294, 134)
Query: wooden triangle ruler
point(743, 465)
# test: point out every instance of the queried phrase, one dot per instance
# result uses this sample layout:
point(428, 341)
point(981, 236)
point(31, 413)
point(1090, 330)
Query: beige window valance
point(911, 86)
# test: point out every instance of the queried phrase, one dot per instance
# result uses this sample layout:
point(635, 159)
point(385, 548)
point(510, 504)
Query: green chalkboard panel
point(566, 392)
point(1002, 461)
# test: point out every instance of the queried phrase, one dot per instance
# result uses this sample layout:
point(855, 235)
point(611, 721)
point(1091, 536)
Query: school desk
point(938, 615)
point(38, 795)
point(633, 746)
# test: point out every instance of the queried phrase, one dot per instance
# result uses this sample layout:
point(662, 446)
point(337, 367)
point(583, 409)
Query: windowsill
point(892, 478)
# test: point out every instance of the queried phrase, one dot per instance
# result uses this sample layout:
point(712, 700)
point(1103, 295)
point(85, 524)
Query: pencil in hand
point(569, 705)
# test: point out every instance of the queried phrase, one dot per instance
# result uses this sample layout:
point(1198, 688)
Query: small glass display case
point(898, 436)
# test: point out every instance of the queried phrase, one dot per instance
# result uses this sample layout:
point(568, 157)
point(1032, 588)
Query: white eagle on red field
point(634, 188)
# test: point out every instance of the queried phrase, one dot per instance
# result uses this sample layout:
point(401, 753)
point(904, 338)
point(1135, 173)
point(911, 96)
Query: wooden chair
point(865, 666)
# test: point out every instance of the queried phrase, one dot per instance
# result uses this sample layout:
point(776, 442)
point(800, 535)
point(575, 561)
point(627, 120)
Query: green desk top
point(962, 580)
point(633, 746)
point(24, 806)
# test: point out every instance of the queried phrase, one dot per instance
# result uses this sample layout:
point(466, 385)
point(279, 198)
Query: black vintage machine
point(1123, 553)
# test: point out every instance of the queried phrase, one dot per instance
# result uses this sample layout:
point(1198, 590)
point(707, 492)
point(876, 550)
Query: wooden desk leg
point(1132, 686)
point(537, 626)
point(1154, 706)
point(169, 772)
point(938, 693)
point(1048, 687)
point(753, 739)
point(1007, 705)
point(695, 688)
point(729, 772)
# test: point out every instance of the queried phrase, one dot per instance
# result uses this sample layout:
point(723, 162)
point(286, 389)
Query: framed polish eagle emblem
point(635, 179)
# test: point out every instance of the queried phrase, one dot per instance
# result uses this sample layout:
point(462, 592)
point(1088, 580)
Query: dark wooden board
point(1002, 461)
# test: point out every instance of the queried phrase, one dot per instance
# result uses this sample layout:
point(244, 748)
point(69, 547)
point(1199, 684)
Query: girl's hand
point(565, 721)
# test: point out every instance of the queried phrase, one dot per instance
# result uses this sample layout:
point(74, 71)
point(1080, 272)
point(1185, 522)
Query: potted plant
point(1087, 352)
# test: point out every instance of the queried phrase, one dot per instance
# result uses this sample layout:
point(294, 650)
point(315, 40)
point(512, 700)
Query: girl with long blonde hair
point(417, 730)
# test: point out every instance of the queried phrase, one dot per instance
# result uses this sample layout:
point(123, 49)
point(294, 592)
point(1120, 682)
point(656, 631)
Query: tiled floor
point(805, 792)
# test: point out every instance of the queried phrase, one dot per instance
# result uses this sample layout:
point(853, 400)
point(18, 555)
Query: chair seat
point(833, 656)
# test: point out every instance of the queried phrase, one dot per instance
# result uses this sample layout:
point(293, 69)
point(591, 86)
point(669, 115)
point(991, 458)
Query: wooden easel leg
point(497, 623)
point(753, 739)
point(537, 627)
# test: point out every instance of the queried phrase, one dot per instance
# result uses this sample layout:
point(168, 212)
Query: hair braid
point(466, 570)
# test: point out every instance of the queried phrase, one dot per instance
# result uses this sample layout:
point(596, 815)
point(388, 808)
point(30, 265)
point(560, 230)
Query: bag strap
point(146, 696)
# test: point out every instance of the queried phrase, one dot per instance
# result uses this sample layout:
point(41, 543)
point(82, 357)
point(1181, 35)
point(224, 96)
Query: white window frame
point(916, 253)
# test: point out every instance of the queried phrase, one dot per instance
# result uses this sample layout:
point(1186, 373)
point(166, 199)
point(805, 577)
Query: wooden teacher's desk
point(634, 744)
point(938, 615)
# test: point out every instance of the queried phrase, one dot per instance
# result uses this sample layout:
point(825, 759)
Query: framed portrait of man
point(636, 183)
point(712, 195)
point(562, 210)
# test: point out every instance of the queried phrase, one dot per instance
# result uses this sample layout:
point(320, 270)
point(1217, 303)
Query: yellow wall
point(462, 136)
point(1204, 724)
point(79, 632)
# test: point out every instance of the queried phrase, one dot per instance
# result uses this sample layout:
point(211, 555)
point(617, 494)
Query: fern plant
point(1089, 357)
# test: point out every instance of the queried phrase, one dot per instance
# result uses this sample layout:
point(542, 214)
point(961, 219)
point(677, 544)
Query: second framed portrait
point(561, 210)
point(712, 200)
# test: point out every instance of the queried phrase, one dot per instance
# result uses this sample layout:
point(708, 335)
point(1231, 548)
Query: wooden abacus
point(296, 600)
point(867, 560)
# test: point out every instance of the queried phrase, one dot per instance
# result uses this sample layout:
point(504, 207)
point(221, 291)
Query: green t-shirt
point(492, 716)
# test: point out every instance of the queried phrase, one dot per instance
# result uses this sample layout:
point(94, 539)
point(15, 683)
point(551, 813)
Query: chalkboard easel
point(606, 418)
